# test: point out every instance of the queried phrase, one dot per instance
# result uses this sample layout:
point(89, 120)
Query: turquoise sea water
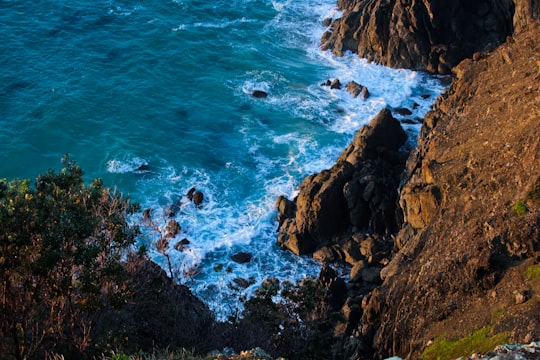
point(167, 84)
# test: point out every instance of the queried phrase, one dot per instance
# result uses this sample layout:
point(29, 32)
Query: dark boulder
point(241, 257)
point(196, 196)
point(259, 94)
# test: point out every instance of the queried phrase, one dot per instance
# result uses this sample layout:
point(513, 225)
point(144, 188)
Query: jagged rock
point(326, 255)
point(356, 271)
point(173, 228)
point(337, 290)
point(419, 34)
point(358, 193)
point(336, 84)
point(420, 203)
point(286, 209)
point(356, 90)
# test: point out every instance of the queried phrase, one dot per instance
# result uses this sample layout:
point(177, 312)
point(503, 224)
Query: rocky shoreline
point(436, 238)
point(438, 242)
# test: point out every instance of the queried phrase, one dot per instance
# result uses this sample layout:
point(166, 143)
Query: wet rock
point(147, 215)
point(242, 257)
point(173, 228)
point(336, 84)
point(143, 168)
point(196, 196)
point(173, 209)
point(260, 94)
point(181, 245)
point(327, 83)
point(403, 111)
point(241, 283)
point(357, 90)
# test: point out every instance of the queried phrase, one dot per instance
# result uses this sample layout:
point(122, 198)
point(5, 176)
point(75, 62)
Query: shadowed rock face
point(432, 35)
point(359, 193)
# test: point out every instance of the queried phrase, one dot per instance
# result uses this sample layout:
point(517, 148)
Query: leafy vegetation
point(532, 272)
point(479, 341)
point(61, 244)
point(520, 208)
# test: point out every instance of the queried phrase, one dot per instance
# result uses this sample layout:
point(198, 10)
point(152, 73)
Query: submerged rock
point(241, 257)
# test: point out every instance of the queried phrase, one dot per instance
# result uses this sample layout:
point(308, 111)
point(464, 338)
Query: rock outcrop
point(432, 35)
point(358, 194)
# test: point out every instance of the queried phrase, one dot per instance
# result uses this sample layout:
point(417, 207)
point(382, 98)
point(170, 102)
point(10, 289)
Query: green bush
point(532, 272)
point(520, 208)
point(61, 244)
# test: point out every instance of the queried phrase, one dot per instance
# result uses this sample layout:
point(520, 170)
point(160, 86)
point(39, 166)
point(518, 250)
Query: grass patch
point(479, 341)
point(496, 315)
point(520, 208)
point(532, 272)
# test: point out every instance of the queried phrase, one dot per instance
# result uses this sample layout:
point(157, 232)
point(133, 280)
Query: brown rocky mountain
point(442, 243)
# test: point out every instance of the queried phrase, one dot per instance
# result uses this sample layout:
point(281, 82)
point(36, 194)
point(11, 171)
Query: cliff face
point(465, 245)
point(427, 35)
point(464, 228)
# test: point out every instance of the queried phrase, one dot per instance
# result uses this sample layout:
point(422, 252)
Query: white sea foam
point(133, 164)
point(238, 212)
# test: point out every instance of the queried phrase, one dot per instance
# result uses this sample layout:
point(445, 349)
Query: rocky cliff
point(471, 210)
point(453, 245)
point(425, 34)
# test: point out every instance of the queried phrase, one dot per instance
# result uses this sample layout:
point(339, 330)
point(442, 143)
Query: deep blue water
point(167, 84)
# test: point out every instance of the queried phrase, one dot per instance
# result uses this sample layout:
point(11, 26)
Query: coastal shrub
point(532, 272)
point(61, 244)
point(480, 340)
point(520, 208)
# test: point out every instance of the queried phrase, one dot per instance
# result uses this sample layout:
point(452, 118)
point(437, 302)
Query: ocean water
point(154, 97)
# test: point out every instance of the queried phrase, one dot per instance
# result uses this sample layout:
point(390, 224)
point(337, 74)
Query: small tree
point(61, 244)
